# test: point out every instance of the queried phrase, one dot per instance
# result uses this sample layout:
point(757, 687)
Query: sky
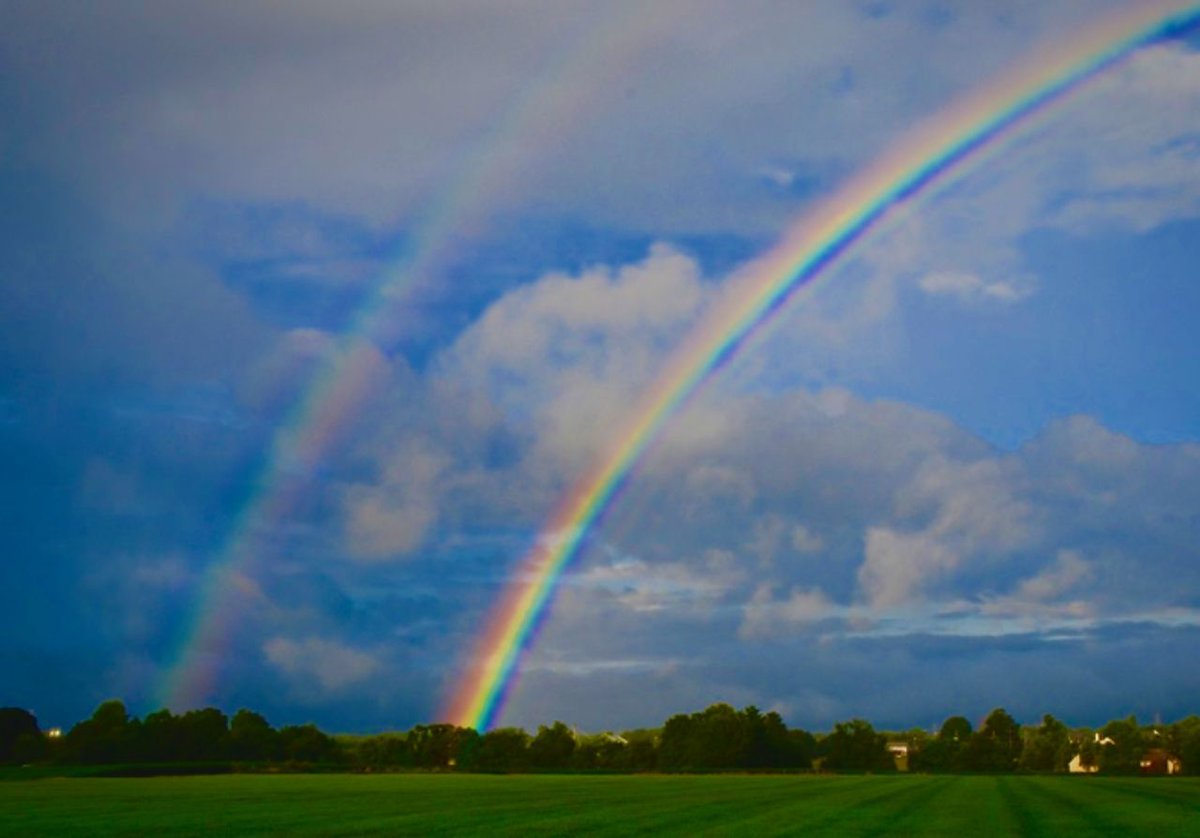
point(963, 473)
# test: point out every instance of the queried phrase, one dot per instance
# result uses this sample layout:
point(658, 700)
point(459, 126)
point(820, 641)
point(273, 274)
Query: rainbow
point(573, 83)
point(927, 158)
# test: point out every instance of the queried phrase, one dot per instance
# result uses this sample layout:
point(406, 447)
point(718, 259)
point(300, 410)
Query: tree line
point(719, 738)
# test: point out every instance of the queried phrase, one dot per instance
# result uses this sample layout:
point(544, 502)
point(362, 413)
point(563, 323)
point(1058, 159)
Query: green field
point(423, 804)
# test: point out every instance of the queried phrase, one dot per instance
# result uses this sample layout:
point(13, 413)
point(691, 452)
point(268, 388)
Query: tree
point(505, 749)
point(108, 736)
point(466, 741)
point(943, 752)
point(721, 738)
point(855, 746)
point(14, 724)
point(996, 746)
point(674, 754)
point(956, 729)
point(1089, 751)
point(158, 738)
point(1124, 754)
point(640, 752)
point(1189, 751)
point(1047, 747)
point(552, 748)
point(305, 743)
point(251, 738)
point(202, 734)
point(801, 748)
point(442, 746)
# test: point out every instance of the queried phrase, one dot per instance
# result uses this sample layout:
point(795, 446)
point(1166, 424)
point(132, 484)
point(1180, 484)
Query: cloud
point(1068, 571)
point(806, 541)
point(570, 354)
point(296, 105)
point(676, 586)
point(391, 518)
point(766, 616)
point(801, 521)
point(332, 665)
point(976, 509)
point(965, 286)
point(1137, 170)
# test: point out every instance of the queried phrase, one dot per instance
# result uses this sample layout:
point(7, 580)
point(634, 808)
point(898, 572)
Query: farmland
point(435, 804)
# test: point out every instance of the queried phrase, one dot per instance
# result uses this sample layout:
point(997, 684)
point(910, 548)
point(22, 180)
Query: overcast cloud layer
point(963, 473)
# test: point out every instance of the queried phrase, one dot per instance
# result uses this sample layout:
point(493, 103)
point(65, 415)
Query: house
point(899, 752)
point(1158, 761)
point(1076, 766)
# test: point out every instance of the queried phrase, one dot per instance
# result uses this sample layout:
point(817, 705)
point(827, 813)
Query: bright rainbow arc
point(929, 157)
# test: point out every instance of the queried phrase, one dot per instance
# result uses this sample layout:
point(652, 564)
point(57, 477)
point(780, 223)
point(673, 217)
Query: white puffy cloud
point(570, 355)
point(972, 509)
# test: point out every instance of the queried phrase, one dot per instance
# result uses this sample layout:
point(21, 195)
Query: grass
point(428, 804)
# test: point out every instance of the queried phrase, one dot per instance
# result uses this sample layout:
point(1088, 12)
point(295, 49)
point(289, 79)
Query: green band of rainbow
point(956, 136)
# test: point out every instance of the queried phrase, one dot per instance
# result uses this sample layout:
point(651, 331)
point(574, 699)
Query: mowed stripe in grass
point(422, 804)
point(1121, 806)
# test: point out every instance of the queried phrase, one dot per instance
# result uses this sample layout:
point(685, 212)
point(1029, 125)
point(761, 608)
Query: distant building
point(1076, 766)
point(1158, 761)
point(899, 752)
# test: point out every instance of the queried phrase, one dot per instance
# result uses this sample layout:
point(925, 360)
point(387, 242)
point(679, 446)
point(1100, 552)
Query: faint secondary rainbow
point(927, 158)
point(533, 124)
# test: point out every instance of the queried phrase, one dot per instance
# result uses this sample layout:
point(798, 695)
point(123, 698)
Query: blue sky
point(962, 474)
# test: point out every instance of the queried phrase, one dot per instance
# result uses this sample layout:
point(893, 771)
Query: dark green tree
point(1124, 754)
point(159, 738)
point(1047, 747)
point(944, 751)
point(801, 748)
point(855, 746)
point(14, 724)
point(466, 742)
point(441, 746)
point(721, 738)
point(1189, 751)
point(307, 744)
point(202, 735)
point(552, 747)
point(640, 752)
point(108, 736)
point(956, 729)
point(251, 738)
point(503, 750)
point(995, 747)
point(675, 751)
